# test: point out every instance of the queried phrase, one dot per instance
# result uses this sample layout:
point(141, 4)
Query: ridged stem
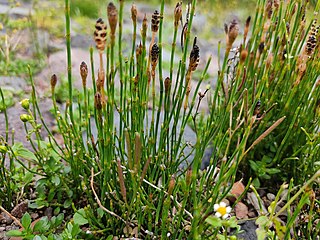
point(69, 66)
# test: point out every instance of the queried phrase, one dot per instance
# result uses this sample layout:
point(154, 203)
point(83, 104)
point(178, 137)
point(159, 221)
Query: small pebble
point(252, 214)
point(241, 210)
point(48, 212)
point(34, 215)
point(261, 192)
point(271, 196)
point(19, 210)
point(4, 218)
point(284, 194)
point(266, 201)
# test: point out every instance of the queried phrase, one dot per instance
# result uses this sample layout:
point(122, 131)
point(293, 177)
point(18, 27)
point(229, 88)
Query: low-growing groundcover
point(133, 177)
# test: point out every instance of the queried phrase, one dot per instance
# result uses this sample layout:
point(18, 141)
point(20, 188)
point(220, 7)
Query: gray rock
point(17, 125)
point(271, 196)
point(16, 11)
point(48, 212)
point(82, 41)
point(14, 84)
point(206, 157)
point(249, 231)
point(5, 219)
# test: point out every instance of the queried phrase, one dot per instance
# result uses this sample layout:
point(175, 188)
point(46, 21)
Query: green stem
point(68, 43)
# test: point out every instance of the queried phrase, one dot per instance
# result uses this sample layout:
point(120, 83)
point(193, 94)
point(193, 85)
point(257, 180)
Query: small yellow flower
point(222, 210)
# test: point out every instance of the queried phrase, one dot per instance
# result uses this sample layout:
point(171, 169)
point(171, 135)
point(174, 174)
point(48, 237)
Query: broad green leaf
point(37, 238)
point(28, 177)
point(56, 211)
point(100, 212)
point(55, 180)
point(70, 193)
point(80, 217)
point(20, 151)
point(59, 219)
point(26, 220)
point(221, 237)
point(253, 165)
point(51, 194)
point(265, 176)
point(261, 234)
point(232, 222)
point(42, 226)
point(38, 226)
point(256, 182)
point(262, 221)
point(14, 233)
point(266, 159)
point(67, 203)
point(273, 170)
point(75, 230)
point(279, 229)
point(214, 221)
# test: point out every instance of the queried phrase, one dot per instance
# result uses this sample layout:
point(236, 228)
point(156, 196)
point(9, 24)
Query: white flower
point(222, 210)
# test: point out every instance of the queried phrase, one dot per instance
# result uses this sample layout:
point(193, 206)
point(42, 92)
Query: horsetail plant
point(131, 171)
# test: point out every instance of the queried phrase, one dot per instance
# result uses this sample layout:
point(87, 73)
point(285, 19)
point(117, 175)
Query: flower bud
point(25, 118)
point(233, 31)
point(100, 34)
point(134, 13)
point(154, 55)
point(25, 104)
point(144, 27)
point(246, 29)
point(3, 149)
point(171, 185)
point(53, 82)
point(98, 101)
point(243, 55)
point(177, 14)
point(269, 60)
point(155, 20)
point(276, 4)
point(188, 176)
point(167, 84)
point(112, 17)
point(269, 8)
point(84, 73)
point(194, 56)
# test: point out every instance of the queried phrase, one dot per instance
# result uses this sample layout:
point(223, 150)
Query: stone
point(249, 231)
point(271, 196)
point(15, 84)
point(20, 209)
point(252, 214)
point(206, 157)
point(34, 215)
point(266, 201)
point(241, 210)
point(15, 12)
point(255, 202)
point(17, 125)
point(48, 212)
point(237, 189)
point(4, 218)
